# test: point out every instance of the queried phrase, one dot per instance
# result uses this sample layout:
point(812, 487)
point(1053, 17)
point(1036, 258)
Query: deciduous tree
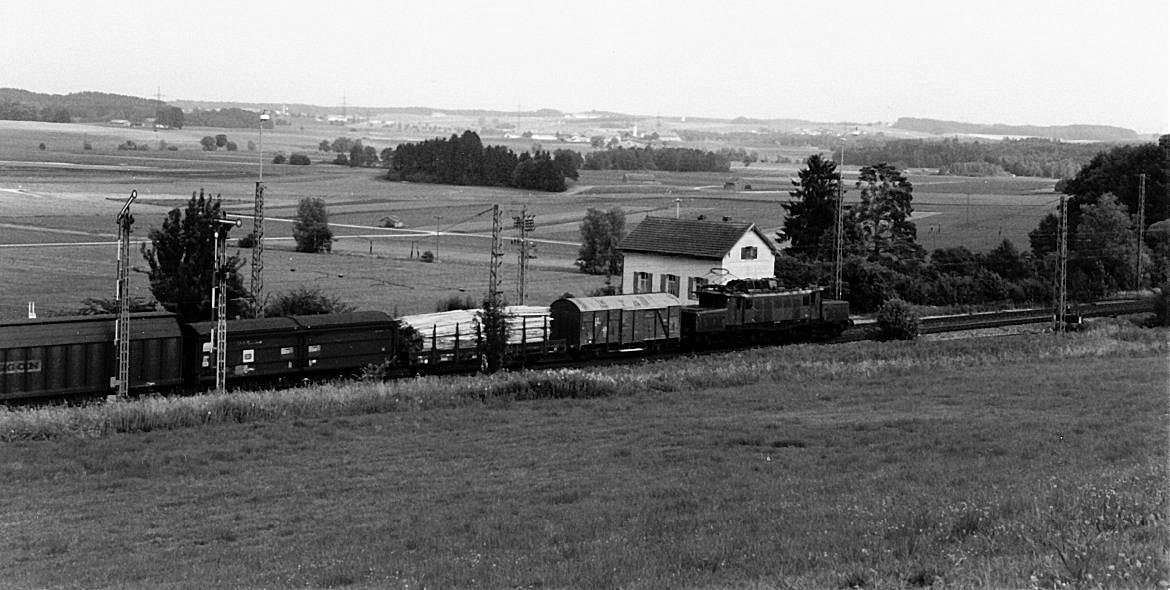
point(311, 230)
point(600, 233)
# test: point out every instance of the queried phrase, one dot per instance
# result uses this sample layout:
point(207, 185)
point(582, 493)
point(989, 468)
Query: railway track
point(1012, 317)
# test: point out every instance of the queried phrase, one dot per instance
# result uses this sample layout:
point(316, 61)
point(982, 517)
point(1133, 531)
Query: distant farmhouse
point(678, 256)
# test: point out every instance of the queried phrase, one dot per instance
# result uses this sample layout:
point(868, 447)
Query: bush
point(41, 147)
point(231, 146)
point(85, 145)
point(278, 159)
point(1162, 306)
point(897, 320)
point(247, 241)
point(305, 301)
point(456, 302)
point(299, 160)
point(427, 256)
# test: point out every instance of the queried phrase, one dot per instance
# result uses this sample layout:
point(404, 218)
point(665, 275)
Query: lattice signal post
point(122, 327)
point(219, 297)
point(525, 223)
point(257, 285)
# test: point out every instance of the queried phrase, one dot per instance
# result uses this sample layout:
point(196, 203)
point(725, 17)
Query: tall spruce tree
point(811, 215)
point(181, 256)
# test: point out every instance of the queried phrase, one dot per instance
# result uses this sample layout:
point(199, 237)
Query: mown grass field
point(68, 197)
point(1017, 462)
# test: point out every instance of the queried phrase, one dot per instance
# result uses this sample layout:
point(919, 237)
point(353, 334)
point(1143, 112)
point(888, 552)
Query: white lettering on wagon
point(16, 367)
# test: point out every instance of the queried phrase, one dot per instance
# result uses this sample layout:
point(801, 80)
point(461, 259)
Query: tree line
point(464, 160)
point(1022, 157)
point(672, 159)
point(883, 261)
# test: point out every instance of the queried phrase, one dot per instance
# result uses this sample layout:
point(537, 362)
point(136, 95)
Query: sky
point(982, 61)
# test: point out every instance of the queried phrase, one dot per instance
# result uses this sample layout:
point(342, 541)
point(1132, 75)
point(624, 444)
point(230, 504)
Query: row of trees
point(464, 160)
point(672, 159)
point(883, 260)
point(231, 118)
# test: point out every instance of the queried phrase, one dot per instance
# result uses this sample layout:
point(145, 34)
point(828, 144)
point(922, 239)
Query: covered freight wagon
point(261, 347)
point(292, 346)
point(75, 355)
point(615, 322)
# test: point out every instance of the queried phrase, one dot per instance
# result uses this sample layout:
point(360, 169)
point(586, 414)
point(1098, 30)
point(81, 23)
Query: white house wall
point(657, 265)
point(764, 266)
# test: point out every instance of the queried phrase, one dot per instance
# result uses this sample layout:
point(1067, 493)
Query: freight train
point(62, 357)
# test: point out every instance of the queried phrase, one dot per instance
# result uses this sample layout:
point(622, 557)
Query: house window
point(669, 284)
point(693, 286)
point(642, 282)
point(747, 253)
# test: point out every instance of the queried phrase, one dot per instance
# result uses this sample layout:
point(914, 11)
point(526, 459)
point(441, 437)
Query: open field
point(57, 209)
point(960, 464)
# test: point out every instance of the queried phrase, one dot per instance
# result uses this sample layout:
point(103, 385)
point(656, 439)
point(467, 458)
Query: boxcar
point(343, 342)
point(616, 322)
point(269, 348)
point(72, 356)
point(256, 348)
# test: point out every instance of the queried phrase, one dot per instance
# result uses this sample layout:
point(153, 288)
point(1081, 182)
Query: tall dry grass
point(801, 362)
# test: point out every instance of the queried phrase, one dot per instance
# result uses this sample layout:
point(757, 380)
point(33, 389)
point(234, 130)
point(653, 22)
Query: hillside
point(1065, 132)
point(89, 107)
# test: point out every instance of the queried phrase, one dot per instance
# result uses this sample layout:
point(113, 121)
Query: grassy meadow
point(1015, 462)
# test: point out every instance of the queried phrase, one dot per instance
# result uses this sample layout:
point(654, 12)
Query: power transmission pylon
point(219, 297)
point(122, 327)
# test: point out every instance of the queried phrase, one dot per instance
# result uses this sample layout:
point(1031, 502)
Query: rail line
point(1011, 317)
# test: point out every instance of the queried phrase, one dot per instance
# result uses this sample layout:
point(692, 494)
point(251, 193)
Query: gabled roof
point(687, 237)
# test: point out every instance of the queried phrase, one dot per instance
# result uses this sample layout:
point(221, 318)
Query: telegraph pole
point(1141, 226)
point(219, 297)
point(122, 326)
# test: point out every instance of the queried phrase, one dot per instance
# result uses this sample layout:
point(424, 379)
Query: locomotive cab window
point(747, 253)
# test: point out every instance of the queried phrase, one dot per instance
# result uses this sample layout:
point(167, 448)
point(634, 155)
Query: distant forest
point(673, 159)
point(464, 160)
point(1023, 157)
